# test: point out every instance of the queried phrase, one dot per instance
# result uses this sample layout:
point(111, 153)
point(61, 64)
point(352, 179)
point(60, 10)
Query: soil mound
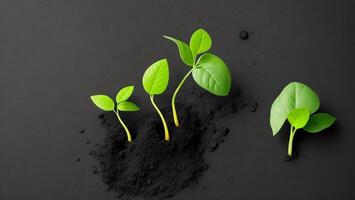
point(153, 168)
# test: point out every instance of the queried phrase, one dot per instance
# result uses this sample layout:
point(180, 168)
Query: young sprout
point(296, 103)
point(155, 81)
point(107, 104)
point(208, 70)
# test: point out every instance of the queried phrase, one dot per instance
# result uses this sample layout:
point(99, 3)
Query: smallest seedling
point(107, 104)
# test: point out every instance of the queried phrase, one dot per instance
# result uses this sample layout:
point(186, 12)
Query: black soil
point(243, 35)
point(153, 168)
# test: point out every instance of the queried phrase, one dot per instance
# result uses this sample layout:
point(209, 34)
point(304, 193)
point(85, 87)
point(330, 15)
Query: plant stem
point(290, 142)
point(176, 120)
point(166, 130)
point(124, 126)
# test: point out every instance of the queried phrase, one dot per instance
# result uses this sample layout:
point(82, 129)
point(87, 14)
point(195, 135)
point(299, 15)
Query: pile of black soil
point(153, 168)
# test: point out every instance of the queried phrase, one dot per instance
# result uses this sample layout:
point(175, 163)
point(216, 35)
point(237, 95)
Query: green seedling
point(107, 104)
point(208, 70)
point(155, 81)
point(296, 103)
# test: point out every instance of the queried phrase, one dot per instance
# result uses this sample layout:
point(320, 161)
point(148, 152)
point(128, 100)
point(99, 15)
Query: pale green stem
point(166, 130)
point(176, 120)
point(290, 142)
point(124, 126)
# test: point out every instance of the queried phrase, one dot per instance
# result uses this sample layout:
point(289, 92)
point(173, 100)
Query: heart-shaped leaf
point(319, 122)
point(156, 77)
point(200, 42)
point(124, 94)
point(299, 117)
point(103, 102)
point(212, 74)
point(184, 51)
point(127, 106)
point(294, 95)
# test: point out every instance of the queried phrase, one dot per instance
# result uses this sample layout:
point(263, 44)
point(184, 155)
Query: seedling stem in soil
point(166, 130)
point(155, 81)
point(176, 120)
point(129, 137)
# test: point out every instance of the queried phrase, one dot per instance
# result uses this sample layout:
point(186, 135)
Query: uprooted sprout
point(208, 70)
point(107, 104)
point(296, 103)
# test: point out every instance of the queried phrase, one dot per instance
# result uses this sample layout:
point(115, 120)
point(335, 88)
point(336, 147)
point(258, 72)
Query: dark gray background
point(54, 54)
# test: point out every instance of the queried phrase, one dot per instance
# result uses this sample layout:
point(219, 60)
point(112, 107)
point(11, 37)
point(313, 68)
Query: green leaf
point(294, 95)
point(127, 106)
point(299, 117)
point(184, 51)
point(319, 122)
point(103, 102)
point(200, 42)
point(212, 74)
point(124, 94)
point(156, 77)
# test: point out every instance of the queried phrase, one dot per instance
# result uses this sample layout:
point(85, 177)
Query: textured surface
point(55, 54)
point(153, 168)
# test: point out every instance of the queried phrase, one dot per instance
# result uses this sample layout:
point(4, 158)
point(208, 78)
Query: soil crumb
point(253, 107)
point(82, 131)
point(243, 35)
point(152, 168)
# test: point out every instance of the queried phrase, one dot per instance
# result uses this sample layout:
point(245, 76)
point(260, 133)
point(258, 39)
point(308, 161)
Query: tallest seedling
point(208, 70)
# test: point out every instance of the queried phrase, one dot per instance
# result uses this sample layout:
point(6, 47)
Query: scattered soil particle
point(205, 167)
point(213, 145)
point(88, 142)
point(253, 106)
point(93, 169)
point(82, 131)
point(119, 194)
point(223, 131)
point(243, 35)
point(243, 105)
point(78, 160)
point(152, 168)
point(92, 153)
